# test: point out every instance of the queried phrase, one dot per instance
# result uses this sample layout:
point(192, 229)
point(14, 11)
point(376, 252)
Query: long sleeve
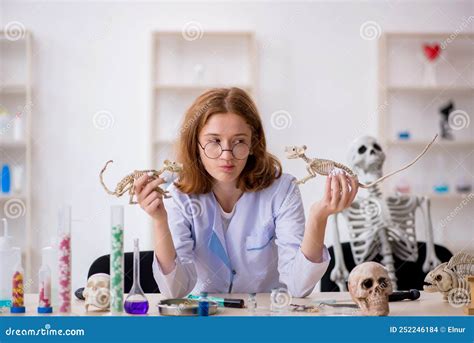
point(296, 271)
point(182, 279)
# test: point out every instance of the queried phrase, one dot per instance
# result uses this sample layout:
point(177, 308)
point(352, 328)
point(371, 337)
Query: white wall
point(96, 56)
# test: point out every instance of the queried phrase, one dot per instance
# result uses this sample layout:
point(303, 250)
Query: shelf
point(448, 197)
point(179, 34)
point(9, 196)
point(422, 89)
point(196, 87)
point(426, 35)
point(12, 144)
point(12, 89)
point(441, 143)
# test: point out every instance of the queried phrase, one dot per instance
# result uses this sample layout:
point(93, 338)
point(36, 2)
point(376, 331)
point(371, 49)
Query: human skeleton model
point(449, 278)
point(376, 225)
point(126, 184)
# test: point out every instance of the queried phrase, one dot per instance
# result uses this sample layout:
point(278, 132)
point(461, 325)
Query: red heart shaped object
point(431, 51)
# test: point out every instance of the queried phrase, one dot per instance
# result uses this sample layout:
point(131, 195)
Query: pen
point(222, 302)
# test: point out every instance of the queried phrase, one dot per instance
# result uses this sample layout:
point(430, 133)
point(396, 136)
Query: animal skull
point(366, 156)
point(441, 280)
point(293, 151)
point(370, 286)
point(97, 292)
point(171, 166)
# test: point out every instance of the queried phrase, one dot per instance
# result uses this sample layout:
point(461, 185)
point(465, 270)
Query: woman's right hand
point(150, 200)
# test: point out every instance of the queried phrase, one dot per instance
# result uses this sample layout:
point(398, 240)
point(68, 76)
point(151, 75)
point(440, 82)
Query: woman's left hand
point(340, 191)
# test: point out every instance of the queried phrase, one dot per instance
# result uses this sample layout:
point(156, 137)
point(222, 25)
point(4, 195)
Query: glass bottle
point(44, 284)
point(136, 301)
point(18, 289)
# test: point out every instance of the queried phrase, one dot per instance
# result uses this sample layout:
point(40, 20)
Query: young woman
point(235, 222)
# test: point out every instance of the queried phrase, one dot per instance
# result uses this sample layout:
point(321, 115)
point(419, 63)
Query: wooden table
point(429, 304)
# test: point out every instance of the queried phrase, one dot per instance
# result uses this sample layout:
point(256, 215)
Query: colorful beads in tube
point(45, 294)
point(44, 281)
point(64, 254)
point(116, 260)
point(18, 290)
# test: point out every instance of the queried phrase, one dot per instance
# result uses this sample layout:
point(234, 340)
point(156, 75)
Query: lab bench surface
point(429, 304)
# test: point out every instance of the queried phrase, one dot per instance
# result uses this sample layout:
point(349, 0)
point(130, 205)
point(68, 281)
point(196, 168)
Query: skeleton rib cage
point(366, 218)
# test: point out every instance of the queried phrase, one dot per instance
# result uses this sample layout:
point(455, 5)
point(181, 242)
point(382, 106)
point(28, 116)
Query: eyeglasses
point(214, 150)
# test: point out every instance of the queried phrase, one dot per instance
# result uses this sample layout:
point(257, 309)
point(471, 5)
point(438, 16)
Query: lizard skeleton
point(126, 184)
point(325, 167)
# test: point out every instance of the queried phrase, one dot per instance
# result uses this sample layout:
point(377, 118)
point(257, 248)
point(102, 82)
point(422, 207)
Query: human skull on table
point(370, 286)
point(97, 292)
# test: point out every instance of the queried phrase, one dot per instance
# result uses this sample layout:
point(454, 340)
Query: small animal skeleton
point(449, 278)
point(324, 167)
point(378, 224)
point(126, 184)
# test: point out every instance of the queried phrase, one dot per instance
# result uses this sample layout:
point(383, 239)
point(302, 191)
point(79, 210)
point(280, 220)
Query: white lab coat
point(259, 251)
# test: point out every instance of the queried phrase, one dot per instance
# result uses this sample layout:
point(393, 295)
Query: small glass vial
point(280, 299)
point(273, 296)
point(203, 308)
point(252, 302)
point(136, 301)
point(18, 290)
point(44, 283)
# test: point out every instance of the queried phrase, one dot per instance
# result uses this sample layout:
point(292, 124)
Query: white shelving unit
point(184, 68)
point(407, 103)
point(16, 100)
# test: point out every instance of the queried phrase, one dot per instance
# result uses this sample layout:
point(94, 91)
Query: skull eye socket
point(383, 282)
point(367, 283)
point(377, 147)
point(439, 277)
point(362, 149)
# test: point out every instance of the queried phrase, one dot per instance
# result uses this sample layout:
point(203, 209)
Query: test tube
point(64, 255)
point(116, 260)
point(44, 283)
point(18, 290)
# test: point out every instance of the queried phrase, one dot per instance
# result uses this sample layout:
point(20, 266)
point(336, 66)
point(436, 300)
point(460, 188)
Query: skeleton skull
point(172, 166)
point(97, 292)
point(293, 151)
point(441, 280)
point(370, 286)
point(366, 156)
